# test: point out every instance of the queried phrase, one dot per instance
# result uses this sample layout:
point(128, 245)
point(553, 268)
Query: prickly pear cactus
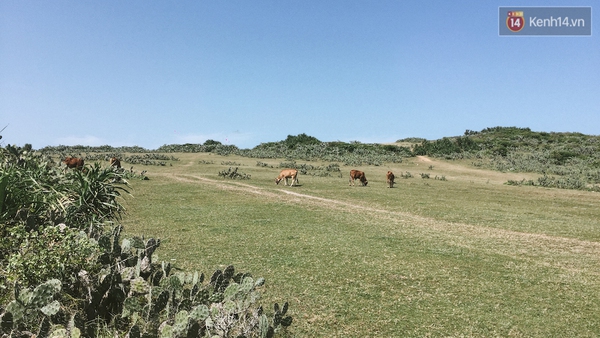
point(132, 305)
point(59, 333)
point(44, 293)
point(40, 299)
point(199, 313)
point(146, 299)
point(181, 323)
point(167, 331)
point(264, 329)
point(51, 309)
point(151, 246)
point(139, 286)
point(279, 317)
point(231, 292)
point(161, 302)
point(134, 332)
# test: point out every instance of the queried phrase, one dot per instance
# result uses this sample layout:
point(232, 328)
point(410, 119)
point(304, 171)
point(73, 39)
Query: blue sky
point(150, 73)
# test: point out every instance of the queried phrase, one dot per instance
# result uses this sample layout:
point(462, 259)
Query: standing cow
point(73, 162)
point(115, 162)
point(288, 173)
point(358, 175)
point(390, 179)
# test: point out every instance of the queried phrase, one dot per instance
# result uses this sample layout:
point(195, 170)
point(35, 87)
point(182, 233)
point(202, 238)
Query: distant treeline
point(486, 143)
point(501, 148)
point(300, 147)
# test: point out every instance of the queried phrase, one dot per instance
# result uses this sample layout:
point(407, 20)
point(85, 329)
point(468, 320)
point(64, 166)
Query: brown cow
point(357, 174)
point(390, 179)
point(115, 162)
point(288, 173)
point(73, 162)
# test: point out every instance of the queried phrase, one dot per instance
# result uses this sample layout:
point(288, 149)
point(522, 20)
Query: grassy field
point(467, 256)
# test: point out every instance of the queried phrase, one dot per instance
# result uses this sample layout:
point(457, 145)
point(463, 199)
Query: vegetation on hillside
point(300, 147)
point(307, 148)
point(566, 160)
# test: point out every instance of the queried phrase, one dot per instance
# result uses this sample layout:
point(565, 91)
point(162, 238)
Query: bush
point(412, 140)
point(234, 174)
point(53, 252)
point(310, 149)
point(65, 271)
point(301, 139)
point(446, 146)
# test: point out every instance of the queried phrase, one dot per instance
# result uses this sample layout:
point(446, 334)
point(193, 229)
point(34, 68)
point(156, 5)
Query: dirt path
point(464, 173)
point(571, 254)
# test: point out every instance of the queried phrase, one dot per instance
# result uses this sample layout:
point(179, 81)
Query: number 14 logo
point(515, 21)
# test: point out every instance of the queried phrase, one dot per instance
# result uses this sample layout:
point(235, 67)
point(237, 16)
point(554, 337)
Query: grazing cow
point(115, 162)
point(288, 173)
point(390, 179)
point(358, 175)
point(73, 162)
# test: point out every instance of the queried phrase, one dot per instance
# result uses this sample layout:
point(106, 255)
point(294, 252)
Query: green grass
point(466, 257)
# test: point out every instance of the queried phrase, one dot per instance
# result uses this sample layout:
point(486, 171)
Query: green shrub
point(407, 175)
point(307, 148)
point(446, 146)
point(232, 163)
point(79, 278)
point(561, 156)
point(234, 174)
point(412, 140)
point(301, 139)
point(53, 252)
point(262, 164)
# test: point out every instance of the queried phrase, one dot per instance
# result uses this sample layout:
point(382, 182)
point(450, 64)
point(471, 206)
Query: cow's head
point(277, 180)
